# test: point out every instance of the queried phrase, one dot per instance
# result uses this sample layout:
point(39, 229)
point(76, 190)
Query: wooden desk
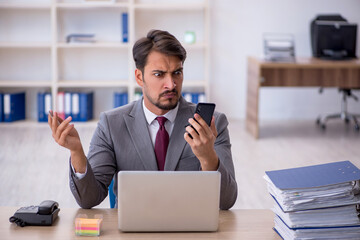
point(305, 72)
point(233, 224)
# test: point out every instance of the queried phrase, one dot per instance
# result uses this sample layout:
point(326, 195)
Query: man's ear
point(139, 77)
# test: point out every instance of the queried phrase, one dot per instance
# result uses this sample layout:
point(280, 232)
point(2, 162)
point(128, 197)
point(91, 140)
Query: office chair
point(344, 114)
point(112, 194)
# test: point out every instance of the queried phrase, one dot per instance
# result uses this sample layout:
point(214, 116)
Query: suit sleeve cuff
point(76, 174)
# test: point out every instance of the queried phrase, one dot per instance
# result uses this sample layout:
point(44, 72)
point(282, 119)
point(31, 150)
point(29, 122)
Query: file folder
point(86, 106)
point(120, 99)
point(194, 97)
point(1, 107)
point(316, 202)
point(187, 96)
point(14, 106)
point(67, 106)
point(125, 28)
point(314, 176)
point(82, 106)
point(61, 104)
point(320, 218)
point(336, 232)
point(44, 106)
point(75, 106)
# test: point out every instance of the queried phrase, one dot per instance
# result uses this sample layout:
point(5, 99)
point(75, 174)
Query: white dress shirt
point(153, 126)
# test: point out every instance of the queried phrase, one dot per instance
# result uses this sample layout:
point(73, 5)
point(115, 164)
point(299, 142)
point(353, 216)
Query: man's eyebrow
point(161, 71)
point(179, 69)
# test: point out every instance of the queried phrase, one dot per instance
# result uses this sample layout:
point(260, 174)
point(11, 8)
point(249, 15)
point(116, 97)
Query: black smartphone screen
point(206, 111)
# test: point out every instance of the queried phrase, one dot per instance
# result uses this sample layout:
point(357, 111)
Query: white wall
point(236, 32)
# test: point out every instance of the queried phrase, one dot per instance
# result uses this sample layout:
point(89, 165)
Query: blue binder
point(82, 106)
point(41, 106)
point(315, 176)
point(125, 28)
point(195, 98)
point(67, 104)
point(14, 106)
point(86, 106)
point(75, 106)
point(187, 96)
point(44, 106)
point(1, 107)
point(120, 99)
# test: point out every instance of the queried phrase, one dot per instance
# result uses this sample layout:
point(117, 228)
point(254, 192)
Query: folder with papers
point(320, 218)
point(315, 176)
point(325, 185)
point(286, 233)
point(316, 202)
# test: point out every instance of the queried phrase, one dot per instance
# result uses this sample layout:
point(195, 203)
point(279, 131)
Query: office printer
point(333, 37)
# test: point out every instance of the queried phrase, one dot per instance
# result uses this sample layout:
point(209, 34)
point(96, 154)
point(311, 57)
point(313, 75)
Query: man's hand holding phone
point(201, 138)
point(67, 136)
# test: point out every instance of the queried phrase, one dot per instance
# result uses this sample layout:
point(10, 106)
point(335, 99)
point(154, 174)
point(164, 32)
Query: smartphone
point(206, 111)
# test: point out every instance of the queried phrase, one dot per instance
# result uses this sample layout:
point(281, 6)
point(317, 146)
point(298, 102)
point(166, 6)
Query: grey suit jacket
point(122, 142)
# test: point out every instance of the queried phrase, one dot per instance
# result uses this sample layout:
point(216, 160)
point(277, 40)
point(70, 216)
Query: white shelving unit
point(34, 55)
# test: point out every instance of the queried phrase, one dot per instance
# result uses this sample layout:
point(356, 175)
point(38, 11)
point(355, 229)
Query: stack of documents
point(343, 233)
point(316, 202)
point(279, 47)
point(80, 38)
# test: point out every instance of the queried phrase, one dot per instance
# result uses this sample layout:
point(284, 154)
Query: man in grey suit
point(125, 137)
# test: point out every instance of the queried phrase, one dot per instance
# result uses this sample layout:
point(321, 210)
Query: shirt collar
point(170, 115)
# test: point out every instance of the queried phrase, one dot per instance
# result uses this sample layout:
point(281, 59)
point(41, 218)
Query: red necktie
point(161, 143)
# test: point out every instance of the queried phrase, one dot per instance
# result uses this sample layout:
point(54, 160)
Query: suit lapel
point(137, 126)
point(177, 141)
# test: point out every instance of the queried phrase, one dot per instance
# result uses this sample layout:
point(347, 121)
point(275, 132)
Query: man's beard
point(169, 106)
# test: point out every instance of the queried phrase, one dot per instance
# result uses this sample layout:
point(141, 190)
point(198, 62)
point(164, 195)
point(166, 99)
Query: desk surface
point(233, 224)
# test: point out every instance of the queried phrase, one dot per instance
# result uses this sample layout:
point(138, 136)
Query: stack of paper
point(343, 233)
point(323, 217)
point(316, 202)
point(80, 38)
point(279, 47)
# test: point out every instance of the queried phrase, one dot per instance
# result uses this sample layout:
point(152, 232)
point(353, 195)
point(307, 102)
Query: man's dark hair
point(157, 40)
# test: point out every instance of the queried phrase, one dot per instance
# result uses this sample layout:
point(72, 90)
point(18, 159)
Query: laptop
point(169, 201)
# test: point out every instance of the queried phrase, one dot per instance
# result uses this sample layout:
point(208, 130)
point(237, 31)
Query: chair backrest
point(111, 194)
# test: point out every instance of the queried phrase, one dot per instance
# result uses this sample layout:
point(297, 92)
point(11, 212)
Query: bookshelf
point(34, 55)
